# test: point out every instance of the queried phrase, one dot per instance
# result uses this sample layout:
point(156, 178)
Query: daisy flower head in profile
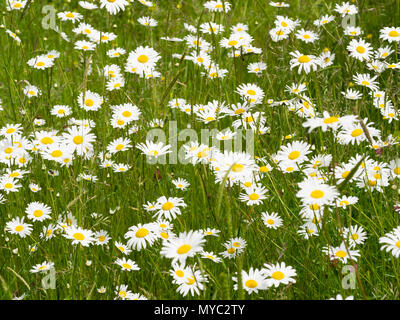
point(168, 208)
point(142, 58)
point(359, 49)
point(365, 80)
point(38, 211)
point(127, 264)
point(217, 6)
point(345, 8)
point(323, 20)
point(390, 242)
point(390, 34)
point(256, 67)
point(85, 45)
point(181, 184)
point(308, 230)
point(15, 4)
point(278, 274)
point(154, 150)
point(69, 16)
point(271, 220)
point(306, 63)
point(307, 36)
point(295, 152)
point(61, 111)
point(42, 267)
point(341, 253)
point(88, 5)
point(193, 283)
point(79, 235)
point(353, 31)
point(141, 235)
point(41, 62)
point(251, 93)
point(252, 281)
point(253, 195)
point(115, 53)
point(19, 227)
point(183, 246)
point(147, 21)
point(314, 192)
point(13, 35)
point(355, 235)
point(113, 6)
point(279, 4)
point(211, 27)
point(32, 91)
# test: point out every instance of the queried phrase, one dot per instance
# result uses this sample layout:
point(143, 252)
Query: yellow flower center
point(317, 194)
point(278, 275)
point(304, 59)
point(47, 140)
point(331, 120)
point(19, 228)
point(360, 49)
point(38, 213)
point(89, 102)
point(254, 196)
point(314, 206)
point(341, 254)
point(184, 249)
point(393, 34)
point(56, 153)
point(143, 58)
point(127, 266)
point(78, 139)
point(167, 206)
point(294, 155)
point(356, 133)
point(237, 167)
point(354, 236)
point(164, 235)
point(372, 183)
point(78, 236)
point(141, 233)
point(251, 284)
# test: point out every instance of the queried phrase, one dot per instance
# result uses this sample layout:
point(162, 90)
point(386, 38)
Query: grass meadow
point(310, 214)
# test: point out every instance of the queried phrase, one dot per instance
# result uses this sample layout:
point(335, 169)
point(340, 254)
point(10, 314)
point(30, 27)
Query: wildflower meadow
point(199, 150)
